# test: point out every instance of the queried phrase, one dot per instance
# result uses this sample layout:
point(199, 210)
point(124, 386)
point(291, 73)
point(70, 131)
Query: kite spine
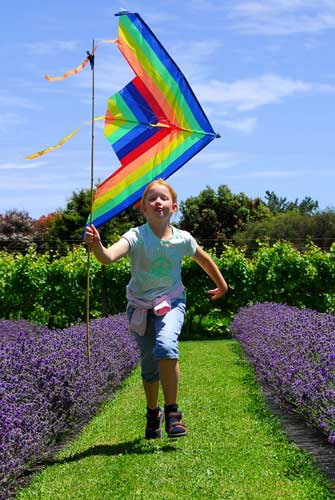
point(88, 329)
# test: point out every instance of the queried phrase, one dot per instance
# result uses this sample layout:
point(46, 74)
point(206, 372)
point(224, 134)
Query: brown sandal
point(153, 429)
point(174, 425)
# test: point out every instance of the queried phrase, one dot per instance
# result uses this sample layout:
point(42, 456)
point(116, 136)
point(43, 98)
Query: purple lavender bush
point(293, 352)
point(47, 387)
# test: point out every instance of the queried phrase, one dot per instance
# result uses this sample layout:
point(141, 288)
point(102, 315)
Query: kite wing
point(155, 124)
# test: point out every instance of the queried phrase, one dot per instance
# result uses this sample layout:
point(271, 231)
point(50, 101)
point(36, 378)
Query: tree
point(277, 205)
point(290, 226)
point(308, 206)
point(16, 230)
point(212, 216)
point(41, 230)
point(67, 226)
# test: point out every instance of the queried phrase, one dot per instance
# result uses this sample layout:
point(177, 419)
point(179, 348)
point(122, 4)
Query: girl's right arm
point(103, 254)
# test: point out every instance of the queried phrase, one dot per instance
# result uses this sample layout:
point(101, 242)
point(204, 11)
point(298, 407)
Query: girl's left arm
point(208, 265)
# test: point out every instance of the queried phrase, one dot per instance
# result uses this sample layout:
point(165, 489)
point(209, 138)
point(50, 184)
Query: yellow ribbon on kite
point(61, 142)
point(57, 78)
point(78, 68)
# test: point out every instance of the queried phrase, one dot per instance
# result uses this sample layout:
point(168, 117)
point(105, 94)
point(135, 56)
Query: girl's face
point(158, 204)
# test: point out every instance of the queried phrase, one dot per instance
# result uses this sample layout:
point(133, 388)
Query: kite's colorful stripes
point(155, 123)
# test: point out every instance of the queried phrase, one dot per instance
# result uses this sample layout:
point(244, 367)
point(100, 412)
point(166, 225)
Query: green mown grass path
point(235, 450)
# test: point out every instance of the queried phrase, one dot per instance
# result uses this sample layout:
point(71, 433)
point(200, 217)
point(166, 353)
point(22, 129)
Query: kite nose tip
point(217, 135)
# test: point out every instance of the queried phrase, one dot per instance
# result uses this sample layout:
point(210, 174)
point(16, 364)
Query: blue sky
point(262, 70)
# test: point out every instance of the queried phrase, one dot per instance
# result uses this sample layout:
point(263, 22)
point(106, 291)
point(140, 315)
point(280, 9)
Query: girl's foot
point(155, 419)
point(174, 425)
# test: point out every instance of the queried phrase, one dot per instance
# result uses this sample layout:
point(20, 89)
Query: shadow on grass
point(136, 447)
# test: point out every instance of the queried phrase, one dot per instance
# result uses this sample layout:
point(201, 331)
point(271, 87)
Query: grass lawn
point(235, 449)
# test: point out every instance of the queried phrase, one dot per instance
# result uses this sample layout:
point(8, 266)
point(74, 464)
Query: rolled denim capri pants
point(161, 338)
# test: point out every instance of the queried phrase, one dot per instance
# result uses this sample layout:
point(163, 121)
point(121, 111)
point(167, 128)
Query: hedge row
point(47, 389)
point(51, 290)
point(292, 351)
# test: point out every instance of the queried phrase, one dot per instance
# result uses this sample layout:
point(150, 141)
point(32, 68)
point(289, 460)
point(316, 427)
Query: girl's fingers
point(216, 293)
point(91, 234)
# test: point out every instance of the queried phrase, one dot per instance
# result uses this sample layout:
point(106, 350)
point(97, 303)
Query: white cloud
point(8, 120)
point(300, 172)
point(18, 102)
point(153, 18)
point(21, 165)
point(219, 160)
point(273, 17)
point(195, 49)
point(266, 174)
point(51, 47)
point(194, 58)
point(244, 125)
point(252, 93)
point(282, 17)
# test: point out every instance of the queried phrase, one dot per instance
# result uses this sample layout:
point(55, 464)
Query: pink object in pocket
point(162, 306)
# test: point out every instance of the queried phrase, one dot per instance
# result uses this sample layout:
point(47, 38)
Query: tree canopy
point(277, 204)
point(68, 225)
point(298, 228)
point(213, 216)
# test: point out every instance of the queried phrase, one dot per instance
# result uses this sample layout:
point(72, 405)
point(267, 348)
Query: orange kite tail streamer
point(78, 68)
point(67, 73)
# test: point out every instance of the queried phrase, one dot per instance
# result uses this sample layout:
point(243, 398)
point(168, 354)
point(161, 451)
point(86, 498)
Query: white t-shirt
point(155, 263)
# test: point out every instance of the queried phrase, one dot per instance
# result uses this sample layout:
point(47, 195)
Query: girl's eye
point(155, 197)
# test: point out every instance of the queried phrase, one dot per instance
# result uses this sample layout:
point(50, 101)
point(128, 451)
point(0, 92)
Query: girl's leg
point(150, 378)
point(151, 390)
point(169, 373)
point(169, 377)
point(166, 350)
point(149, 364)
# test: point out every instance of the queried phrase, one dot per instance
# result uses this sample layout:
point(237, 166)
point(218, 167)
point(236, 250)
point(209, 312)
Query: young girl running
point(156, 298)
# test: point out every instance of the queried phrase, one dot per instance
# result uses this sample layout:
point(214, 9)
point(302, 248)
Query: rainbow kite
point(155, 124)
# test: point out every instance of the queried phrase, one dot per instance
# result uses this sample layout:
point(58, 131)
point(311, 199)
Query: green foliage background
point(52, 290)
point(299, 228)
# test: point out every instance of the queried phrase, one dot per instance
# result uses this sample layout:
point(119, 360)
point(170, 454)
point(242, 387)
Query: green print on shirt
point(161, 267)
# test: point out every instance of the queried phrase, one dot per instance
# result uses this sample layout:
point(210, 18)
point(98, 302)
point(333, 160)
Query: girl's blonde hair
point(160, 182)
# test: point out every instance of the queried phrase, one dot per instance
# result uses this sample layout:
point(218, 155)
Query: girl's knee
point(150, 375)
point(166, 348)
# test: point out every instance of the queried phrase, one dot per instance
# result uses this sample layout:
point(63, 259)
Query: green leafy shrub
point(297, 226)
point(24, 289)
point(285, 275)
point(52, 290)
point(66, 293)
point(204, 316)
